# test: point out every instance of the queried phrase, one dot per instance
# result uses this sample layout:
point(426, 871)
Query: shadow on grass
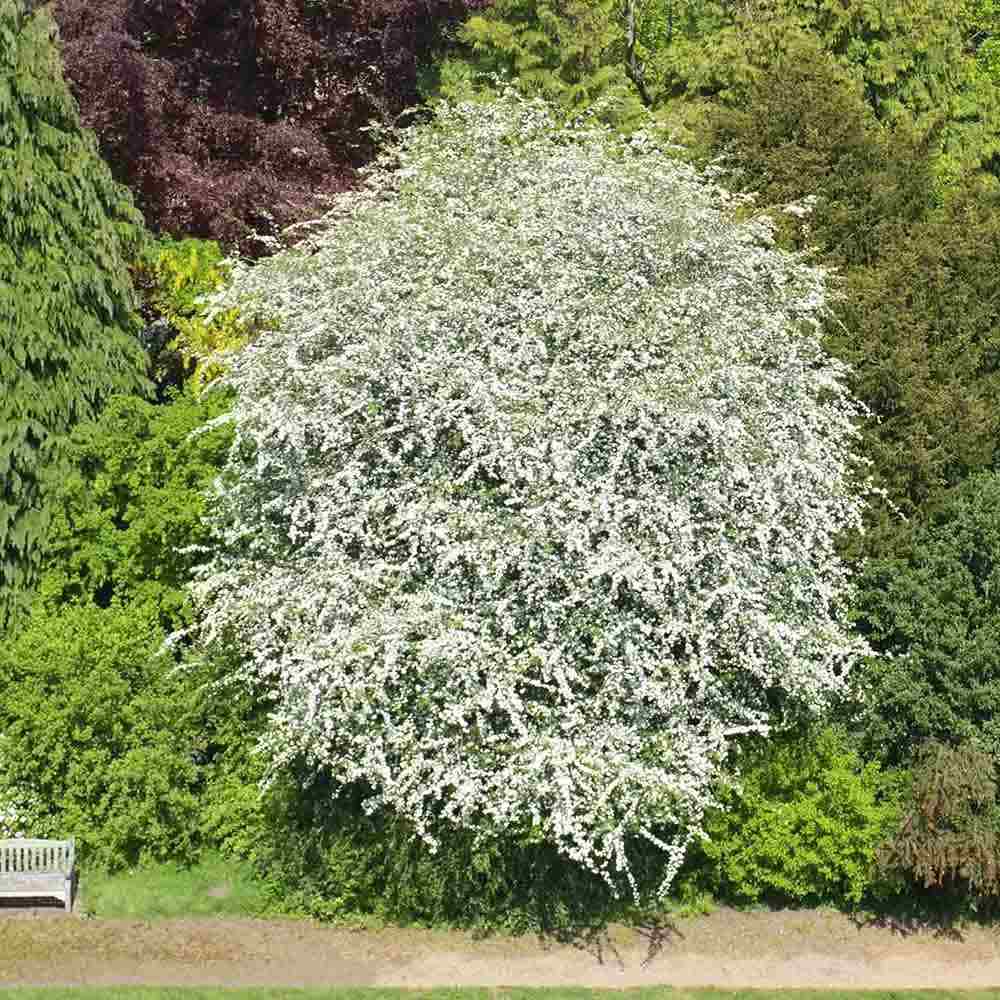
point(944, 918)
point(596, 939)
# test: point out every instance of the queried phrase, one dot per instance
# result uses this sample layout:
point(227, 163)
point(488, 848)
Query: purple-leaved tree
point(226, 118)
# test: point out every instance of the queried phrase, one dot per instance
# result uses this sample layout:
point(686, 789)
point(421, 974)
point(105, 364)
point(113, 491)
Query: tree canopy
point(571, 52)
point(538, 471)
point(924, 63)
point(67, 309)
point(233, 119)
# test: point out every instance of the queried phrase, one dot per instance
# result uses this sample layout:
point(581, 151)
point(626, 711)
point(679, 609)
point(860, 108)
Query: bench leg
point(69, 895)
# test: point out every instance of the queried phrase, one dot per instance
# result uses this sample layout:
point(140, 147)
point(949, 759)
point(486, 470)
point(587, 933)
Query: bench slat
point(38, 868)
point(36, 856)
point(43, 885)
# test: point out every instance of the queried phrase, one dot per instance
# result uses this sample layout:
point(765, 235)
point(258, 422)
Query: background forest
point(153, 152)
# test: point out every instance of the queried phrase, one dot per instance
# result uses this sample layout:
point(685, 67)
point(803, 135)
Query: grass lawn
point(664, 993)
point(215, 887)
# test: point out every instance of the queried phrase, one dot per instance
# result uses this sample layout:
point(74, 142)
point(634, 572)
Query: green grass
point(664, 993)
point(216, 887)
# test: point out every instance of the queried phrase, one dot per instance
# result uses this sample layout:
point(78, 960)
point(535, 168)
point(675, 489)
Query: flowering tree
point(535, 486)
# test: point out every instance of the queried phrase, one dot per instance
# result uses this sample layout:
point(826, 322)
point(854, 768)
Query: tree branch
point(636, 71)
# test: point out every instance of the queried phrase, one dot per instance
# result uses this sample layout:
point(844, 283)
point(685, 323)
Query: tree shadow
point(596, 940)
point(906, 926)
point(658, 932)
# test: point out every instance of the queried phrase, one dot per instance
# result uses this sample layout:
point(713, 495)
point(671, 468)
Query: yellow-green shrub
point(804, 824)
point(176, 275)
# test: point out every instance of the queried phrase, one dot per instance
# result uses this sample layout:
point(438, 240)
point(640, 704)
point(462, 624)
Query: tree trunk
point(634, 69)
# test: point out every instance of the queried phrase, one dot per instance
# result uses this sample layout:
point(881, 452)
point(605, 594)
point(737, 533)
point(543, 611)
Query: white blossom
point(19, 807)
point(538, 470)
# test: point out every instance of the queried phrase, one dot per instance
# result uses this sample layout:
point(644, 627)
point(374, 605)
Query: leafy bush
point(101, 734)
point(103, 737)
point(931, 610)
point(949, 838)
point(127, 521)
point(536, 489)
point(802, 825)
point(175, 276)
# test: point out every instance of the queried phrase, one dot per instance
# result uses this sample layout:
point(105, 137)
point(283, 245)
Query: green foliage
point(233, 810)
point(919, 331)
point(980, 25)
point(67, 309)
point(709, 48)
point(323, 856)
point(127, 518)
point(178, 272)
point(916, 66)
point(101, 733)
point(949, 838)
point(931, 609)
point(175, 275)
point(912, 62)
point(866, 108)
point(571, 52)
point(916, 316)
point(803, 132)
point(910, 56)
point(101, 736)
point(802, 826)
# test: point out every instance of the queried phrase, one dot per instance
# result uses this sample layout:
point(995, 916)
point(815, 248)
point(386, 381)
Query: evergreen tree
point(922, 63)
point(571, 52)
point(67, 320)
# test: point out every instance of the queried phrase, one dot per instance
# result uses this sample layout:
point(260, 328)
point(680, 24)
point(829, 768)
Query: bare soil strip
point(802, 949)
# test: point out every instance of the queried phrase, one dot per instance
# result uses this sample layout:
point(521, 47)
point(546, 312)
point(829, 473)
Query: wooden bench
point(30, 868)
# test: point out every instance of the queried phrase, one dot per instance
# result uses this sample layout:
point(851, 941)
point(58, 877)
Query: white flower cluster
point(535, 487)
point(13, 817)
point(18, 807)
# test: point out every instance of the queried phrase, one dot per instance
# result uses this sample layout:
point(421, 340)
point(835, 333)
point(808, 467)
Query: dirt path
point(726, 949)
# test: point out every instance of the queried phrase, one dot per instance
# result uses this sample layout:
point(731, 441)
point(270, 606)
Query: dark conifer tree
point(67, 312)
